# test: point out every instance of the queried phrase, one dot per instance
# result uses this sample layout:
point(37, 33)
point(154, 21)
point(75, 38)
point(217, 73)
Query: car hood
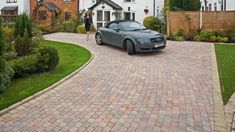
point(143, 33)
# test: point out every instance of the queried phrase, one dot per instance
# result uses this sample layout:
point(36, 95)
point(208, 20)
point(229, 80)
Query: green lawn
point(226, 64)
point(71, 58)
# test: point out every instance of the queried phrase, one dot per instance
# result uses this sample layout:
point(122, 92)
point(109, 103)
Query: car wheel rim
point(98, 39)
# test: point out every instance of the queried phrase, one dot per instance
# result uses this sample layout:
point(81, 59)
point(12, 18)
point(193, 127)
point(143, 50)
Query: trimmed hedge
point(46, 59)
point(24, 66)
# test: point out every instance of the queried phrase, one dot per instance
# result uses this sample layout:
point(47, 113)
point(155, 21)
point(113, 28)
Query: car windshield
point(132, 26)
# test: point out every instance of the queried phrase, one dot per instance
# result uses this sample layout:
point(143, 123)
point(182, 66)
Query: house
point(107, 10)
point(48, 11)
point(9, 9)
point(217, 5)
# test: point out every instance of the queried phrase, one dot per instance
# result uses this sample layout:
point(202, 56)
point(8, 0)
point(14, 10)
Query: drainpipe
point(225, 4)
point(200, 20)
point(154, 6)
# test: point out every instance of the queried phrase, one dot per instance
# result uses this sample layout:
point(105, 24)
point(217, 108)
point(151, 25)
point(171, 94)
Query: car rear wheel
point(98, 39)
point(130, 47)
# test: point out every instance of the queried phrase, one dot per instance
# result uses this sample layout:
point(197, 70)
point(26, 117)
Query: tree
point(185, 5)
point(6, 72)
point(23, 23)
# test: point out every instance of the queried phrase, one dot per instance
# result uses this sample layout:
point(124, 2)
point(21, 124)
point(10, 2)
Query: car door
point(115, 34)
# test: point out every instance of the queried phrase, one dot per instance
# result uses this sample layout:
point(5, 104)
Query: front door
point(103, 17)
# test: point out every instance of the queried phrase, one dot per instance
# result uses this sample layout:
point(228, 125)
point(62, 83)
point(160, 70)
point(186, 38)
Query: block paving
point(170, 90)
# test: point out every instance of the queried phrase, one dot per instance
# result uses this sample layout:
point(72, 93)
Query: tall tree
point(185, 5)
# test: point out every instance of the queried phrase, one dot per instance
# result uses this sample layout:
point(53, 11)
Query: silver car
point(130, 35)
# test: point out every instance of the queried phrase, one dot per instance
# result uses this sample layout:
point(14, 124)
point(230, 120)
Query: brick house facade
point(45, 11)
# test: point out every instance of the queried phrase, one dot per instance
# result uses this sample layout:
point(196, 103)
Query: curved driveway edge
point(14, 106)
point(164, 91)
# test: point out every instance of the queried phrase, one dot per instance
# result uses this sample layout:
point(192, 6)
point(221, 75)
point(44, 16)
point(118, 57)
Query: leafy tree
point(6, 72)
point(185, 5)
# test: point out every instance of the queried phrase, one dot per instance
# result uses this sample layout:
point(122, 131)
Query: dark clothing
point(88, 22)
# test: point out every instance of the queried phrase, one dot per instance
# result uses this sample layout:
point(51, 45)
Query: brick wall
point(190, 21)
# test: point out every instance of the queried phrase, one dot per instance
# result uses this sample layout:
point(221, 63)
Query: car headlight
point(142, 40)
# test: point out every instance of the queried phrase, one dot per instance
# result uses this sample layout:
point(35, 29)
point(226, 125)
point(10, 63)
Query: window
point(42, 15)
point(129, 0)
point(11, 1)
point(107, 16)
point(99, 15)
point(66, 0)
point(113, 26)
point(67, 16)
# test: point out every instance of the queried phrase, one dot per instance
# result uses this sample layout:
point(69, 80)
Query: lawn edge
point(218, 107)
point(32, 97)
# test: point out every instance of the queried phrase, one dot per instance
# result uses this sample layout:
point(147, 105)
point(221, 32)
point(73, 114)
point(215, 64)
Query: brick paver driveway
point(169, 90)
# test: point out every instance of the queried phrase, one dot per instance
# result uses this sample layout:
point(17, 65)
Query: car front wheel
point(130, 47)
point(98, 39)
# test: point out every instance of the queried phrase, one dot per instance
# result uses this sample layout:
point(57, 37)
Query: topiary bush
point(152, 23)
point(23, 23)
point(6, 72)
point(48, 59)
point(69, 26)
point(24, 66)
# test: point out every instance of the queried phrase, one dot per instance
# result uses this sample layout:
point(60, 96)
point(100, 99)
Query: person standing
point(88, 22)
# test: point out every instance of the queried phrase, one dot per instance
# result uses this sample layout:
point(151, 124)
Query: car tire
point(98, 39)
point(130, 47)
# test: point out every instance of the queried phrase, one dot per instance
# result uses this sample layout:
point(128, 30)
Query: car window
point(113, 26)
point(132, 26)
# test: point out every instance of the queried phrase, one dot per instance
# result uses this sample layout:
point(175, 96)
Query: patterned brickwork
point(165, 91)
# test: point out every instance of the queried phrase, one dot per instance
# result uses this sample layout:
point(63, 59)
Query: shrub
point(213, 38)
point(9, 36)
point(180, 32)
point(69, 26)
point(81, 29)
point(230, 33)
point(219, 39)
point(10, 55)
point(23, 23)
point(5, 76)
point(19, 46)
point(24, 66)
point(179, 38)
point(225, 39)
point(6, 72)
point(22, 45)
point(47, 59)
point(152, 23)
point(44, 27)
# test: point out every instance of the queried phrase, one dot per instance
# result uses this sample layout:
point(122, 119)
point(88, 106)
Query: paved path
point(169, 90)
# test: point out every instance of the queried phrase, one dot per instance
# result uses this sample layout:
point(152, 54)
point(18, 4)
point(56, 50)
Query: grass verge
point(225, 55)
point(71, 56)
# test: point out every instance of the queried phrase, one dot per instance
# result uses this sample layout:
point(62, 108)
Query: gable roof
point(108, 2)
point(49, 5)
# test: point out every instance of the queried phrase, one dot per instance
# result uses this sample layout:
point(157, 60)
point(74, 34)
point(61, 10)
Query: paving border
point(229, 112)
point(219, 110)
point(14, 106)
